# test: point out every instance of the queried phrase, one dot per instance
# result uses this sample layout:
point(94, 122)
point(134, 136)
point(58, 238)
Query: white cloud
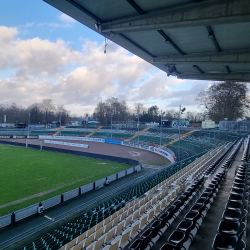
point(80, 79)
point(55, 25)
point(65, 18)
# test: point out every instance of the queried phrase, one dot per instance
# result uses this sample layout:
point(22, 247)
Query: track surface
point(143, 156)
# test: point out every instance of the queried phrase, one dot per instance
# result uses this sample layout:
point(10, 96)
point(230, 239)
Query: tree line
point(219, 101)
point(40, 113)
point(120, 112)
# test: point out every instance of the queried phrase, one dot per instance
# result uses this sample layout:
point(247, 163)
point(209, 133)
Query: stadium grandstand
point(197, 201)
point(161, 209)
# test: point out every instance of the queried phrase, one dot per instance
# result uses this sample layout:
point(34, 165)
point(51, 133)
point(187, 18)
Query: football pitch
point(28, 176)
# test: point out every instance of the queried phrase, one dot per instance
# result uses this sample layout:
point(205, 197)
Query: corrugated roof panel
point(191, 39)
point(232, 36)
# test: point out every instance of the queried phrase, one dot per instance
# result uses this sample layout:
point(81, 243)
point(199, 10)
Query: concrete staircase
point(59, 130)
point(94, 131)
point(177, 139)
point(131, 138)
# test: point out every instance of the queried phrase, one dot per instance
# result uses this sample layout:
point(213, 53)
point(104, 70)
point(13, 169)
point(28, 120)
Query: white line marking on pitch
point(47, 217)
point(134, 153)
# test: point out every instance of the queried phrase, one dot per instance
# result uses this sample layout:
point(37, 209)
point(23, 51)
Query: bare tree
point(224, 100)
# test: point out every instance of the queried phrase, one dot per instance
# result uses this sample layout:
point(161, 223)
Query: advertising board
point(163, 153)
point(113, 141)
point(71, 138)
point(182, 124)
point(67, 144)
point(208, 124)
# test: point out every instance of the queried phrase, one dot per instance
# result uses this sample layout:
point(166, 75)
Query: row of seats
point(143, 242)
point(174, 178)
point(188, 227)
point(232, 225)
point(185, 232)
point(215, 163)
point(144, 212)
point(76, 228)
point(151, 235)
point(245, 156)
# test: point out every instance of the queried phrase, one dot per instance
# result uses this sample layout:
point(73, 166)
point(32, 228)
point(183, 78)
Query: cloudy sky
point(46, 54)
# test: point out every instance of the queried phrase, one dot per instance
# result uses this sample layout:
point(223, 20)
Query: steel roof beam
point(168, 40)
point(224, 57)
point(213, 38)
point(136, 7)
point(78, 6)
point(234, 76)
point(199, 14)
point(198, 68)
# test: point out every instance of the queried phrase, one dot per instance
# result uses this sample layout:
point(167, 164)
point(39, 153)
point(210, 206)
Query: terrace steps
point(175, 140)
point(59, 130)
point(94, 131)
point(140, 132)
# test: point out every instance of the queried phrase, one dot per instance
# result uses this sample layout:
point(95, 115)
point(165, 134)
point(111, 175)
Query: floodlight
point(97, 25)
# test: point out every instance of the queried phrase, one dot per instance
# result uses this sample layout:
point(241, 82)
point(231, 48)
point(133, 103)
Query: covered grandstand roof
point(190, 39)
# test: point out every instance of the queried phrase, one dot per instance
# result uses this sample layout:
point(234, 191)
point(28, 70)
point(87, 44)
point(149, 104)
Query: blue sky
point(50, 55)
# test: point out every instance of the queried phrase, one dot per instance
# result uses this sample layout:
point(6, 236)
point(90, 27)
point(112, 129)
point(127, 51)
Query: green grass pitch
point(26, 172)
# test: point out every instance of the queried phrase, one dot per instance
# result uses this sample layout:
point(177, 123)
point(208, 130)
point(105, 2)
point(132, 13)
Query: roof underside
point(191, 39)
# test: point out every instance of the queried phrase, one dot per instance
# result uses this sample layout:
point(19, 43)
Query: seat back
point(120, 211)
point(99, 233)
point(116, 220)
point(150, 214)
point(124, 215)
point(141, 202)
point(143, 220)
point(79, 246)
point(108, 226)
point(135, 227)
point(114, 215)
point(125, 236)
point(142, 209)
point(135, 215)
point(155, 228)
point(110, 234)
point(130, 210)
point(128, 220)
point(70, 244)
point(81, 237)
point(99, 225)
point(120, 227)
point(89, 240)
point(99, 243)
point(107, 220)
point(136, 245)
point(136, 206)
point(114, 246)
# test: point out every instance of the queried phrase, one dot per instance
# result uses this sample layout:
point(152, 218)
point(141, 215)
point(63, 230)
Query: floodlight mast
point(138, 125)
point(111, 124)
point(180, 112)
point(162, 113)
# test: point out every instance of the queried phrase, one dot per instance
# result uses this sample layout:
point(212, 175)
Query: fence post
point(13, 218)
